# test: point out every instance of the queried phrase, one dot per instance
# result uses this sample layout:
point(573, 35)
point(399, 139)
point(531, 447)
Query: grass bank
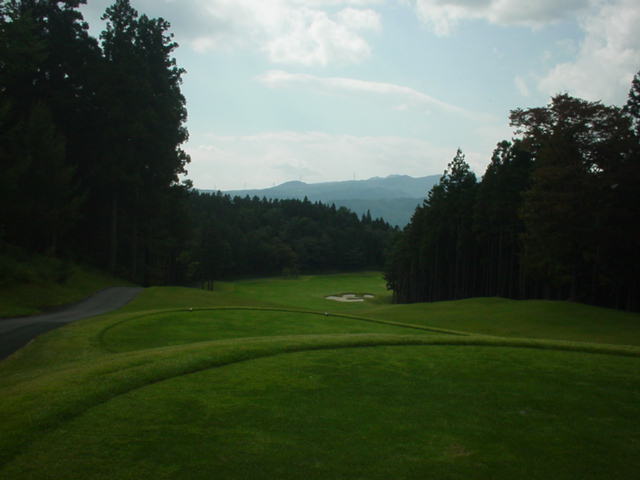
point(31, 284)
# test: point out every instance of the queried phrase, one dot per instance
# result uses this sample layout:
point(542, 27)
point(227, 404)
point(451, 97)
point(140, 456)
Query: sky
point(331, 90)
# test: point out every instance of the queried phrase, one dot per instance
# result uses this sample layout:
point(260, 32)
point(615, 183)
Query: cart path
point(17, 332)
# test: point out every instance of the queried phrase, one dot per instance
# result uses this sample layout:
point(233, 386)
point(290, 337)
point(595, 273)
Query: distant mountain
point(392, 198)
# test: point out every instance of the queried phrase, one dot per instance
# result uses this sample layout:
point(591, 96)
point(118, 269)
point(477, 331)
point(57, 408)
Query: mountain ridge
point(393, 198)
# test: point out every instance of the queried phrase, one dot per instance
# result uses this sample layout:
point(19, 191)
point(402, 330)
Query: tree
point(120, 96)
point(556, 215)
point(435, 258)
point(632, 107)
point(90, 135)
point(43, 50)
point(144, 128)
point(497, 222)
point(580, 150)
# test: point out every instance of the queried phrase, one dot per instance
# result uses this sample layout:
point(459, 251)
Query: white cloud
point(607, 59)
point(333, 3)
point(442, 16)
point(408, 97)
point(313, 37)
point(567, 46)
point(359, 19)
point(305, 32)
point(262, 160)
point(522, 87)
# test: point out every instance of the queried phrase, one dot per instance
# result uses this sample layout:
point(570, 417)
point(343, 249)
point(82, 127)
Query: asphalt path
point(15, 333)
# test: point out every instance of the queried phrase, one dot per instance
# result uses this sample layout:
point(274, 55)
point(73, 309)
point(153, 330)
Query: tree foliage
point(252, 236)
point(556, 215)
point(91, 135)
point(436, 247)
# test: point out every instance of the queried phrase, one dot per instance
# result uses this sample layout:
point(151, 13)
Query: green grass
point(34, 284)
point(488, 316)
point(523, 318)
point(179, 328)
point(267, 379)
point(310, 291)
point(388, 412)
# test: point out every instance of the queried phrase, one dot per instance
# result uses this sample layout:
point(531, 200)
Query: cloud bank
point(259, 161)
point(607, 59)
point(300, 32)
point(319, 33)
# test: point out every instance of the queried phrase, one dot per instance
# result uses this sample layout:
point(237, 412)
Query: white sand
point(349, 297)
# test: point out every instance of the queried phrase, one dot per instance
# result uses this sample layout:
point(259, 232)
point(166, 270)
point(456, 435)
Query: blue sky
point(326, 90)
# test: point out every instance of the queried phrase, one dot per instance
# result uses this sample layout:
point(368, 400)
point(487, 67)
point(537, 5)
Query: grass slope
point(524, 318)
point(388, 412)
point(267, 379)
point(488, 316)
point(31, 284)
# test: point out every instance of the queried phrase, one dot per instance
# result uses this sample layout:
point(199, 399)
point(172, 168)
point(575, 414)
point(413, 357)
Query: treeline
point(252, 236)
point(90, 148)
point(555, 216)
point(90, 135)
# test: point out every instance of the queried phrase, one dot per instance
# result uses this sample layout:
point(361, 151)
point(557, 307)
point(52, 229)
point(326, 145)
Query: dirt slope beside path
point(17, 332)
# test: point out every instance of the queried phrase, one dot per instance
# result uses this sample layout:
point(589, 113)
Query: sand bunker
point(350, 297)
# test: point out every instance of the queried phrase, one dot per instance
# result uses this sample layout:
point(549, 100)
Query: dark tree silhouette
point(556, 215)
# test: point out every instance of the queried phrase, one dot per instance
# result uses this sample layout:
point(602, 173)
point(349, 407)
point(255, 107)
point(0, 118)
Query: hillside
point(31, 284)
point(393, 198)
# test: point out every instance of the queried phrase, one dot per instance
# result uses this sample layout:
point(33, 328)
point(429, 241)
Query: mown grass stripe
point(74, 391)
point(103, 344)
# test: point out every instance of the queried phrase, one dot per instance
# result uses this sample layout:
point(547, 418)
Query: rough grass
point(253, 380)
point(33, 284)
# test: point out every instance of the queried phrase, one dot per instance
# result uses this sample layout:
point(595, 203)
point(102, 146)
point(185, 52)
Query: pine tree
point(497, 223)
point(144, 128)
point(43, 54)
point(632, 107)
point(434, 259)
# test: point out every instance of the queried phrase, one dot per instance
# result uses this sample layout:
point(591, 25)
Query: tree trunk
point(113, 247)
point(134, 248)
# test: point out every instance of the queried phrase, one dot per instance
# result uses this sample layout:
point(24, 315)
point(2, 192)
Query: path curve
point(17, 332)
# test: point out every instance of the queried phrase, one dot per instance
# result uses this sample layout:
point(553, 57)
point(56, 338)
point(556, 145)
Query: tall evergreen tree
point(497, 223)
point(122, 101)
point(632, 107)
point(435, 259)
point(44, 47)
point(144, 128)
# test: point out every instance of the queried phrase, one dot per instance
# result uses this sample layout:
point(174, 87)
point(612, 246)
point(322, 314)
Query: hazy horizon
point(321, 182)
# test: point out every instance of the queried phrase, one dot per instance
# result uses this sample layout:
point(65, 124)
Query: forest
point(555, 216)
point(93, 171)
point(92, 161)
point(247, 236)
